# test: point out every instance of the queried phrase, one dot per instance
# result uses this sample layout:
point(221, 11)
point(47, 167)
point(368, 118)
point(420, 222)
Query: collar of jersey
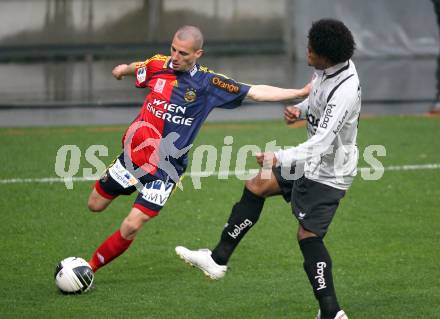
point(191, 72)
point(336, 69)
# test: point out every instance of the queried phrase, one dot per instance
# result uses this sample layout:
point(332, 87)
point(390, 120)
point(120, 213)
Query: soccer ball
point(73, 275)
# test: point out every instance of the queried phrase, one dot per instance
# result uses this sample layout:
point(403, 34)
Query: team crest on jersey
point(190, 95)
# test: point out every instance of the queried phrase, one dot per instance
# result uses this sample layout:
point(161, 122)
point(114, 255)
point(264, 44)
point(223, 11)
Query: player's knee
point(129, 228)
point(258, 187)
point(303, 234)
point(132, 225)
point(94, 206)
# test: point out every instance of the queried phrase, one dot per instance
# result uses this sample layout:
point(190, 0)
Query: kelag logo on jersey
point(323, 122)
point(327, 115)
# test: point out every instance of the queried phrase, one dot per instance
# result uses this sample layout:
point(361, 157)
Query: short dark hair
point(189, 31)
point(331, 39)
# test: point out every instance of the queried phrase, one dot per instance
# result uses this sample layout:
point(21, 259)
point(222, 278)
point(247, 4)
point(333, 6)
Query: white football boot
point(340, 315)
point(202, 259)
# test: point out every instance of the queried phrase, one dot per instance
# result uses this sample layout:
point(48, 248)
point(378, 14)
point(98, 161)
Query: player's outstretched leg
point(244, 216)
point(318, 267)
point(120, 240)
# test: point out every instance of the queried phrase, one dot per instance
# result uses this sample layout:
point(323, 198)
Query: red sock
point(111, 248)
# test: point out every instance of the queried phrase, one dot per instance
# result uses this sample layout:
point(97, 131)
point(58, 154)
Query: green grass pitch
point(384, 239)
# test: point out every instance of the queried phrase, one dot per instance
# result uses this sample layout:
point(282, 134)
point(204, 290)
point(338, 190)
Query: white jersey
point(330, 154)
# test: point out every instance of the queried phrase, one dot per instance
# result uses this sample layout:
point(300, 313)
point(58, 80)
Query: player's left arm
point(267, 93)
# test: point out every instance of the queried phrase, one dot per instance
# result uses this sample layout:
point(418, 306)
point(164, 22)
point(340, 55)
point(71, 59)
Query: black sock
point(318, 266)
point(244, 215)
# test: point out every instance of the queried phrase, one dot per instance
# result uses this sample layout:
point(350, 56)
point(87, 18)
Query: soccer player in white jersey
point(312, 176)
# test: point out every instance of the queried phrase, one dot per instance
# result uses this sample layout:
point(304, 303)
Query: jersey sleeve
point(146, 69)
point(336, 112)
point(224, 92)
point(141, 75)
point(303, 106)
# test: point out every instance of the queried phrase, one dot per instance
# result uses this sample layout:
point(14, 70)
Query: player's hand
point(291, 114)
point(266, 159)
point(119, 71)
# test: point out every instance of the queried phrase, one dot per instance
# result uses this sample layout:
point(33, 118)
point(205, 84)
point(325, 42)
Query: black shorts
point(313, 204)
point(117, 180)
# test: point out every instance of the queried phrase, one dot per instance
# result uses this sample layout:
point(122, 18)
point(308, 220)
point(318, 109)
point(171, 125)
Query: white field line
point(210, 174)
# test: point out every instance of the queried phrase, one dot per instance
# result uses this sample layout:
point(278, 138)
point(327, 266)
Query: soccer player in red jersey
point(181, 95)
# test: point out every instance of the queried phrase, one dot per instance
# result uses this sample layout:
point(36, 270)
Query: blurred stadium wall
point(381, 28)
point(56, 28)
point(59, 53)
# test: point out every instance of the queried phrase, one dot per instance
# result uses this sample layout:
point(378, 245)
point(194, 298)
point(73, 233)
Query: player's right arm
point(143, 71)
point(122, 70)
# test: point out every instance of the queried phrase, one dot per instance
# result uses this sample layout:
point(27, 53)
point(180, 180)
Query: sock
point(318, 266)
point(111, 248)
point(244, 215)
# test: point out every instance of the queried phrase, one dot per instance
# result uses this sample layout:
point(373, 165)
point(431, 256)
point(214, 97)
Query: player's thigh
point(153, 196)
point(264, 184)
point(314, 205)
point(97, 202)
point(115, 181)
point(148, 203)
